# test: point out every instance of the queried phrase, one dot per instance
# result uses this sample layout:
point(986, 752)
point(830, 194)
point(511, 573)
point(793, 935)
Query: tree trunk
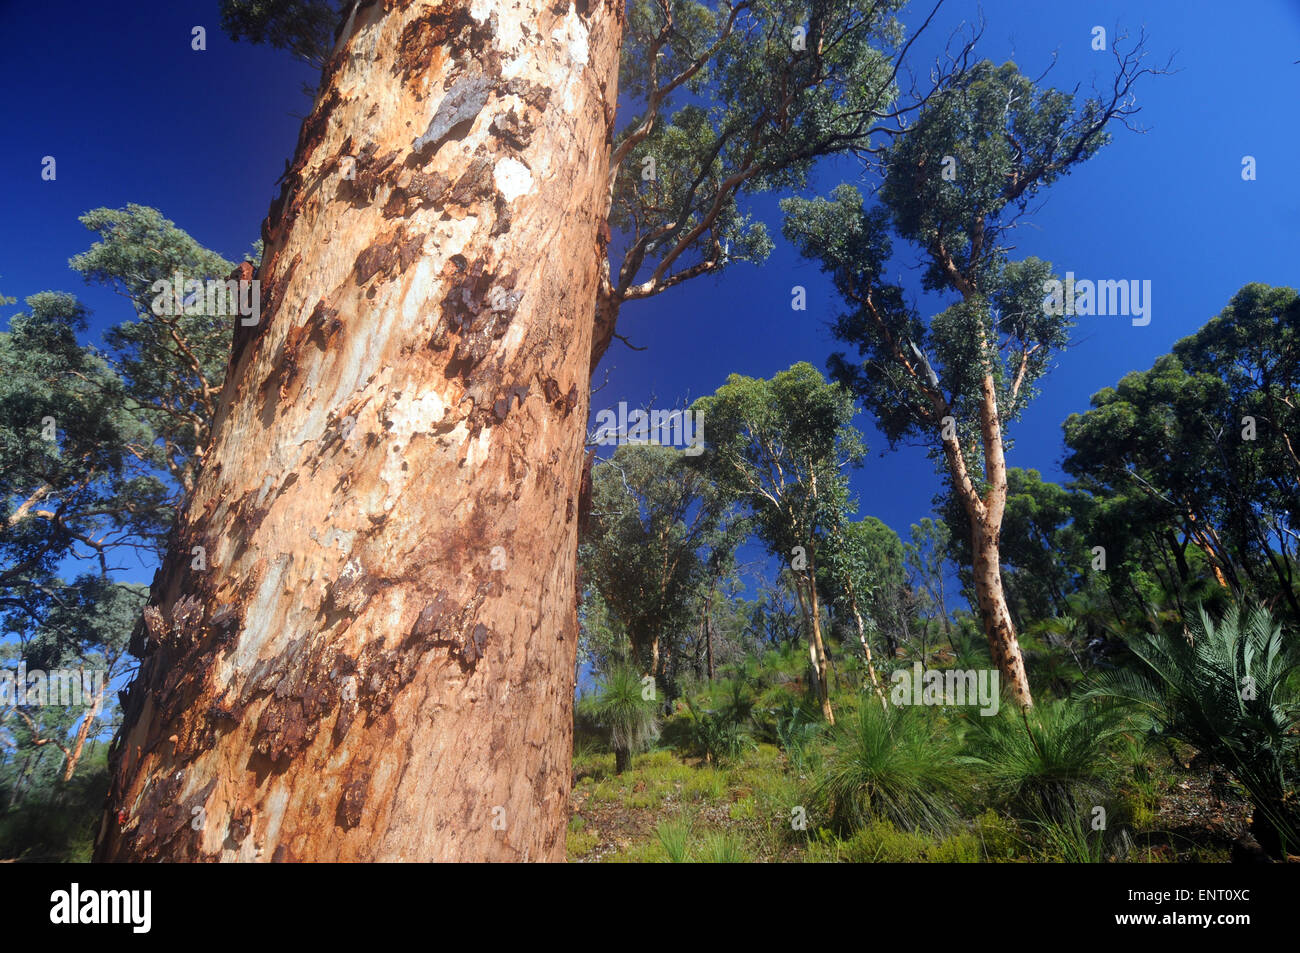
point(74, 754)
point(816, 652)
point(819, 651)
point(985, 517)
point(708, 634)
point(377, 662)
point(866, 650)
point(1004, 647)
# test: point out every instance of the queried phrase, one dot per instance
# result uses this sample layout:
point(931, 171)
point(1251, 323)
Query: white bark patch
point(410, 416)
point(260, 622)
point(343, 539)
point(478, 449)
point(266, 488)
point(414, 299)
point(512, 178)
point(515, 66)
point(480, 10)
point(273, 814)
point(572, 34)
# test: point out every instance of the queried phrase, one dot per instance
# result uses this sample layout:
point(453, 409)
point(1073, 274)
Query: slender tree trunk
point(377, 661)
point(74, 754)
point(1004, 646)
point(816, 652)
point(819, 650)
point(19, 778)
point(866, 650)
point(985, 517)
point(708, 633)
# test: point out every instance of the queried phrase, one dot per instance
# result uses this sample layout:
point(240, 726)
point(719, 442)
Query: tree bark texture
point(377, 662)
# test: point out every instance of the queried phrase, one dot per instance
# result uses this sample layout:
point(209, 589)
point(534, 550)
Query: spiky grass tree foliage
point(675, 837)
point(1050, 763)
point(898, 764)
point(1229, 690)
point(619, 706)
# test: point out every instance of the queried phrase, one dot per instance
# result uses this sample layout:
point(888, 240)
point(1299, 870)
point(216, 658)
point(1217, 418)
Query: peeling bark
point(377, 663)
point(1004, 646)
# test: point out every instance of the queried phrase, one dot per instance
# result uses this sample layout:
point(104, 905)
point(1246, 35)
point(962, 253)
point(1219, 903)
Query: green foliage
point(797, 729)
point(723, 848)
point(54, 822)
point(1072, 839)
point(97, 451)
point(658, 534)
point(1051, 761)
point(66, 436)
point(715, 734)
point(781, 446)
point(926, 557)
point(619, 706)
point(725, 102)
point(880, 842)
point(1228, 689)
point(675, 836)
point(999, 836)
point(172, 366)
point(1003, 140)
point(899, 765)
point(1191, 463)
point(862, 576)
point(303, 27)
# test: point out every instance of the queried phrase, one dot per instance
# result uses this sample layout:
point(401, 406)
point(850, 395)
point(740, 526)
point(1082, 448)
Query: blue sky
point(132, 114)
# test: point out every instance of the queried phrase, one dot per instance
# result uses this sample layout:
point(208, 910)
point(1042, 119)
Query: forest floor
point(667, 806)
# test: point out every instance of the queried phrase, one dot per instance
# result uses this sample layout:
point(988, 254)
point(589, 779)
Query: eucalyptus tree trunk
point(866, 650)
point(83, 731)
point(361, 645)
point(816, 647)
point(985, 516)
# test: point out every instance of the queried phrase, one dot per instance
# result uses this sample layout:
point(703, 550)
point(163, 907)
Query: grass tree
point(900, 764)
point(624, 705)
point(781, 447)
point(983, 148)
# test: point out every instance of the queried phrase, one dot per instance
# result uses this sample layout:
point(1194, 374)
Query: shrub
point(897, 764)
point(674, 836)
point(723, 849)
point(796, 730)
point(1048, 761)
point(715, 734)
point(880, 842)
point(1227, 690)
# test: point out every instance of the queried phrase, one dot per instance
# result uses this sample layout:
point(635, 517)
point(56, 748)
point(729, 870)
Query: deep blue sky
point(132, 114)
